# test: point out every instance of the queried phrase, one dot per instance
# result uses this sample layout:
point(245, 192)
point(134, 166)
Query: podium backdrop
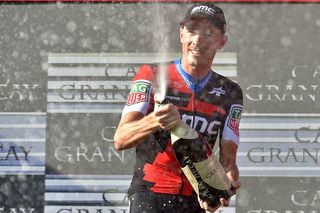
point(65, 75)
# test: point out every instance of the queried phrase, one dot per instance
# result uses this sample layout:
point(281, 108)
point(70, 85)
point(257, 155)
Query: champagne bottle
point(199, 164)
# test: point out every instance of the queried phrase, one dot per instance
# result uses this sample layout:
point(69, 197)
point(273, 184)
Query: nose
point(197, 39)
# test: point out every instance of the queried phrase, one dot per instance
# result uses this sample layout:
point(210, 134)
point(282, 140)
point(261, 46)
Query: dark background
point(270, 41)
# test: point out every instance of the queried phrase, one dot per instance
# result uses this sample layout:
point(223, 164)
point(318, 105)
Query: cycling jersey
point(211, 105)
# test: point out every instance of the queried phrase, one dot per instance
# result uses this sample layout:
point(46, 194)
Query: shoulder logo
point(217, 91)
point(140, 92)
point(234, 118)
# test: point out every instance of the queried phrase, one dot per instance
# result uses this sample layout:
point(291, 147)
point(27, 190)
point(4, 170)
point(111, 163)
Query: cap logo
point(203, 9)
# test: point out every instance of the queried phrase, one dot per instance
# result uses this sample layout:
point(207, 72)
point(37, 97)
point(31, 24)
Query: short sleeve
point(231, 129)
point(140, 95)
point(232, 124)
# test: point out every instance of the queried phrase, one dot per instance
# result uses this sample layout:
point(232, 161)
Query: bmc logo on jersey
point(201, 124)
point(140, 91)
point(234, 118)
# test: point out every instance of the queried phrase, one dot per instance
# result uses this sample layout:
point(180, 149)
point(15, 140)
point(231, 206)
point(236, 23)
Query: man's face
point(200, 42)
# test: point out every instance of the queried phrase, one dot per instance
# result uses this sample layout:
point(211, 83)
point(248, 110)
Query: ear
point(181, 33)
point(223, 41)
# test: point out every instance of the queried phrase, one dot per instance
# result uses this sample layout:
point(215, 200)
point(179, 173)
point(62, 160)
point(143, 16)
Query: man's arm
point(134, 127)
point(228, 156)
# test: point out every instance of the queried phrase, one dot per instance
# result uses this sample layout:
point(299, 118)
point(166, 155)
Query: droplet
point(286, 41)
point(293, 30)
point(71, 26)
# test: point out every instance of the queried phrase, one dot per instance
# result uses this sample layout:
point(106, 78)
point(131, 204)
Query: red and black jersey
point(212, 106)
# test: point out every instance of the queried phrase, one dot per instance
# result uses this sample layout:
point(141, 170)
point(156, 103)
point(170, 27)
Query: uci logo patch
point(140, 92)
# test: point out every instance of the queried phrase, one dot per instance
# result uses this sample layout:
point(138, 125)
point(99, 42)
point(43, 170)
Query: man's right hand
point(134, 126)
point(167, 116)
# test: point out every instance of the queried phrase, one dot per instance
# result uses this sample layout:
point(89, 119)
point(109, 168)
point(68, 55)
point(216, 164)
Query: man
point(207, 101)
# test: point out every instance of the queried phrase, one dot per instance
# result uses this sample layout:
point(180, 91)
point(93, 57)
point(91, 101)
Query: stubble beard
point(195, 62)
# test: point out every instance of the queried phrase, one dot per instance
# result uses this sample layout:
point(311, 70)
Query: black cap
point(208, 10)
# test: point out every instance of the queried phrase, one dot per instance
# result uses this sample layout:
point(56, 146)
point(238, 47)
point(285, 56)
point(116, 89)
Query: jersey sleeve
point(140, 96)
point(232, 122)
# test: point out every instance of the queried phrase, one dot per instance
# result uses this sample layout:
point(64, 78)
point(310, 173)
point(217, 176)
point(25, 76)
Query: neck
point(197, 71)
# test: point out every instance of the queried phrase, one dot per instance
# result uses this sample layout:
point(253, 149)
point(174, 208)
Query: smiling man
point(208, 102)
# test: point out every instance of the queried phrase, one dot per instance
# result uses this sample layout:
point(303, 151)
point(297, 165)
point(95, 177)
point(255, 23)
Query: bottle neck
point(182, 130)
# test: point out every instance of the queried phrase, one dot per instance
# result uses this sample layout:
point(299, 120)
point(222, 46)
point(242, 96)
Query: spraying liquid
point(162, 45)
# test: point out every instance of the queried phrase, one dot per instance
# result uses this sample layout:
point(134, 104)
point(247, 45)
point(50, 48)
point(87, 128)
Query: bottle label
point(211, 172)
point(191, 178)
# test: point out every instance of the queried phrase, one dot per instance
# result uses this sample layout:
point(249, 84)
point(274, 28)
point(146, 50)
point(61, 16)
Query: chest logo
point(217, 92)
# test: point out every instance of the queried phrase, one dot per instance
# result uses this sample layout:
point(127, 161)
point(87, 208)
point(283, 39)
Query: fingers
point(204, 205)
point(236, 184)
point(224, 202)
point(167, 116)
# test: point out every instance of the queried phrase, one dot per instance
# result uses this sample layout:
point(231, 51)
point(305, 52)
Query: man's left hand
point(223, 202)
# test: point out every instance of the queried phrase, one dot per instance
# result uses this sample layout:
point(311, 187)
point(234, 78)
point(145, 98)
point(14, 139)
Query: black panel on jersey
point(223, 92)
point(156, 143)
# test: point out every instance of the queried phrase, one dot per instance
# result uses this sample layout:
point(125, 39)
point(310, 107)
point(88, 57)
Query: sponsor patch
point(140, 91)
point(234, 119)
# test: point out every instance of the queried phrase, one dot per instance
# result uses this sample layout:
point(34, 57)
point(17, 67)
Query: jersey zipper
point(194, 104)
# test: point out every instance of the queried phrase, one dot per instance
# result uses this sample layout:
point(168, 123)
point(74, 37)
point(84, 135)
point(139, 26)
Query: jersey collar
point(193, 84)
